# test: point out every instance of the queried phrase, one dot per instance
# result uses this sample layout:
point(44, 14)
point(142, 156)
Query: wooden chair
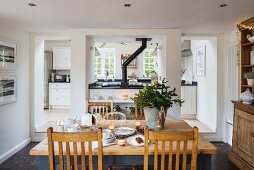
point(139, 113)
point(78, 141)
point(177, 144)
point(99, 107)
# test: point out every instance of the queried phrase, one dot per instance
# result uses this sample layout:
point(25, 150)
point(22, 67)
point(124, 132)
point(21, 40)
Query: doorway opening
point(199, 83)
point(52, 81)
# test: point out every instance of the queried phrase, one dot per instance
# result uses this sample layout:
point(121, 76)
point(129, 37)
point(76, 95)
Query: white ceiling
point(193, 16)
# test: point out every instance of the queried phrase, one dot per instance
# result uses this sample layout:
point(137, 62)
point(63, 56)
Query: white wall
point(207, 85)
point(232, 76)
point(170, 64)
point(14, 117)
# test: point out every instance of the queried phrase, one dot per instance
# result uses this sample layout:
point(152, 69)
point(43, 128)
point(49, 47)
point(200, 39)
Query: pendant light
point(96, 52)
point(155, 52)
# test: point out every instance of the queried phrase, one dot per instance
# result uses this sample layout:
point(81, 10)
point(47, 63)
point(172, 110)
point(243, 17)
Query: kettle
point(67, 78)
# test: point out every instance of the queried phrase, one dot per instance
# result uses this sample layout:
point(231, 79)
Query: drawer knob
point(252, 135)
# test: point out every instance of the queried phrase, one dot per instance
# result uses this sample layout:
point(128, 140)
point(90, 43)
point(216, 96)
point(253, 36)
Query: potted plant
point(152, 98)
point(250, 78)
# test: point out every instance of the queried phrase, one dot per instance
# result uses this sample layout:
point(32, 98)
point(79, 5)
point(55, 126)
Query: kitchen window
point(105, 61)
point(150, 62)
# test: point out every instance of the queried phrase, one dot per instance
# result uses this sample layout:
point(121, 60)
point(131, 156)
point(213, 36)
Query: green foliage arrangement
point(157, 95)
point(248, 75)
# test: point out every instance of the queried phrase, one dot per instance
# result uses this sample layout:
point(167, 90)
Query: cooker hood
point(132, 57)
point(186, 48)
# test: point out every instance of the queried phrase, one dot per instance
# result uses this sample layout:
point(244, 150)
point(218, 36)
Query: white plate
point(124, 131)
point(132, 140)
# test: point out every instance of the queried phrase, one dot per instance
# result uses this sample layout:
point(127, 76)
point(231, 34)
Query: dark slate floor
point(23, 161)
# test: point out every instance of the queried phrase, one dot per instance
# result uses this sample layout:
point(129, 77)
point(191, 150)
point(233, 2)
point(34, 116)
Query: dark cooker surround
point(124, 83)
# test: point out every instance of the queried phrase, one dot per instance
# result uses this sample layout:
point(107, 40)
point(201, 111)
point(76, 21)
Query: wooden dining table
point(134, 155)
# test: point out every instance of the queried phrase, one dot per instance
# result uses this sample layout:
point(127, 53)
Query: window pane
point(105, 62)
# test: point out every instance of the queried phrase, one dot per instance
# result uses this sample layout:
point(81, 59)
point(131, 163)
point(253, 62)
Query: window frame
point(155, 58)
point(102, 56)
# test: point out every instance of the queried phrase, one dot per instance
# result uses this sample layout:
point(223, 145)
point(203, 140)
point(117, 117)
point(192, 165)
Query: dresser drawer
point(60, 85)
point(60, 93)
point(60, 101)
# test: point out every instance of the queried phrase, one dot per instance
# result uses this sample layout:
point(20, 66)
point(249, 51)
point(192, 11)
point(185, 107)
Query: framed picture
point(201, 61)
point(8, 56)
point(8, 88)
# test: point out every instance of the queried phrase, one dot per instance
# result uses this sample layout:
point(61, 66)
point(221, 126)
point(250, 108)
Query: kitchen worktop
point(59, 82)
point(118, 86)
point(190, 84)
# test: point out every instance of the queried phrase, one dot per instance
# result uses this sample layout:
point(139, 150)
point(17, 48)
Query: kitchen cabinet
point(59, 95)
point(242, 153)
point(189, 107)
point(61, 58)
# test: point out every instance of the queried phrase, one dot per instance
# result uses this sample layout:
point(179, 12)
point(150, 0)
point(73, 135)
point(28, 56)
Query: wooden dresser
point(242, 153)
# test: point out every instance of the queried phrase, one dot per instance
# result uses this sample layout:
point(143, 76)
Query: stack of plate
point(123, 132)
point(108, 136)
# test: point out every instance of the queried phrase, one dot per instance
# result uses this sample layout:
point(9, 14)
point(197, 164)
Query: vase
point(247, 97)
point(151, 117)
point(250, 82)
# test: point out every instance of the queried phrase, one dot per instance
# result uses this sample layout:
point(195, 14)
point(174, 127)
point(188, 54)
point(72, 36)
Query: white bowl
point(97, 97)
point(106, 97)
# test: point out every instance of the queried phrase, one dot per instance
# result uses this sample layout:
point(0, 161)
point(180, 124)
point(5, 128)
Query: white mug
point(59, 122)
point(69, 121)
point(74, 128)
point(106, 134)
point(86, 119)
point(60, 128)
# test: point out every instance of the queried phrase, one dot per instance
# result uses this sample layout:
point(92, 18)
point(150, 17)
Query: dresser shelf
point(245, 66)
point(248, 44)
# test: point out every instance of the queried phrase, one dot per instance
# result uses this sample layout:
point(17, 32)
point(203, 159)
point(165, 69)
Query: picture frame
point(8, 56)
point(8, 88)
point(201, 61)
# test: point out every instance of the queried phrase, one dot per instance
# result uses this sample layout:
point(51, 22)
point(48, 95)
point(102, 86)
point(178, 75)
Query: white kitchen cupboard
point(61, 58)
point(59, 95)
point(189, 107)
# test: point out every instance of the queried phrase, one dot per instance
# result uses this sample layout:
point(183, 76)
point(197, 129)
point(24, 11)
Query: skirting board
point(38, 137)
point(42, 123)
point(188, 116)
point(13, 150)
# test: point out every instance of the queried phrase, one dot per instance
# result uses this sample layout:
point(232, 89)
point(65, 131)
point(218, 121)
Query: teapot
point(70, 121)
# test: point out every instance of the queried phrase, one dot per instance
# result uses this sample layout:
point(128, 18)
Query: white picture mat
point(8, 84)
point(201, 61)
point(8, 65)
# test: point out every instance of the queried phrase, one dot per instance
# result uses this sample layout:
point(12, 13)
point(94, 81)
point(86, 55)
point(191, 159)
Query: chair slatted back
point(139, 113)
point(99, 107)
point(73, 144)
point(172, 143)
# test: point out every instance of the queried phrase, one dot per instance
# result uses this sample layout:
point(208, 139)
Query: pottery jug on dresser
point(247, 97)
